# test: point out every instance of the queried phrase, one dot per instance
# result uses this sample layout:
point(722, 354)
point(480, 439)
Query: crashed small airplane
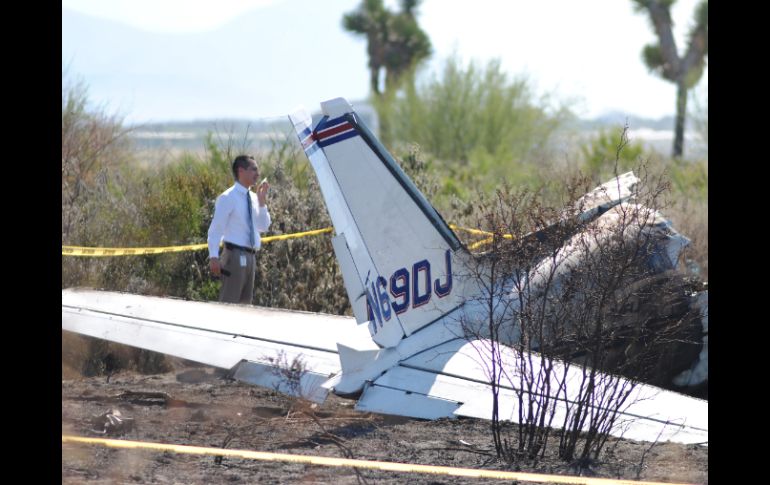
point(406, 350)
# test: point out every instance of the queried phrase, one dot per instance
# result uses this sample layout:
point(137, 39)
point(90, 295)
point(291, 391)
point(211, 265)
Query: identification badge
point(243, 261)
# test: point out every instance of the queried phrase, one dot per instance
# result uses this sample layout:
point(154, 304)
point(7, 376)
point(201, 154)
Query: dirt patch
point(199, 406)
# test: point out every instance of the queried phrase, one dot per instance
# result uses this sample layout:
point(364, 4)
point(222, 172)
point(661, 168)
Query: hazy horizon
point(264, 58)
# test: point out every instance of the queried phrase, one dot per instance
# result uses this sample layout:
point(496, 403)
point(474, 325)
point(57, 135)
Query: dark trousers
point(237, 280)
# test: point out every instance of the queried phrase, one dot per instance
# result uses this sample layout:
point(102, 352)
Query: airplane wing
point(252, 342)
point(452, 379)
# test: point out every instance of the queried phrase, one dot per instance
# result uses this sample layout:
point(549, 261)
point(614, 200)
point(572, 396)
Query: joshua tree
point(395, 42)
point(663, 57)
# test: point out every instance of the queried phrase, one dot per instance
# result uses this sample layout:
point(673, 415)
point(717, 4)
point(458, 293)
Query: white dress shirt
point(231, 222)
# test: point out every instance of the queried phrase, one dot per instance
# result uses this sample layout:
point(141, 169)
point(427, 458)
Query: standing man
point(239, 217)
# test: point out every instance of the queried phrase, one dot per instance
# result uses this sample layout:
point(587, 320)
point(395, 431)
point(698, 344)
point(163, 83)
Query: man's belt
point(232, 246)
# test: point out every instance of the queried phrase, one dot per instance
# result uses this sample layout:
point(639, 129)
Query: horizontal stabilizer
point(384, 400)
point(352, 360)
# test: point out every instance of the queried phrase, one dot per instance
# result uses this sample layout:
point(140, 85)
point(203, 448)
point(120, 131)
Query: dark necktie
point(250, 220)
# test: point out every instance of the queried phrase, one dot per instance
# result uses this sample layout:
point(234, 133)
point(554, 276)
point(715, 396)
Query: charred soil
point(200, 406)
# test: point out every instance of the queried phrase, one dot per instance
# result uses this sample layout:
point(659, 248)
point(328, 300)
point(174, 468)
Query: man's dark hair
point(242, 161)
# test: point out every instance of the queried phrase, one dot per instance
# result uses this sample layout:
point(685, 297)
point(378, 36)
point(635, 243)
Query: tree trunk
point(681, 112)
point(374, 80)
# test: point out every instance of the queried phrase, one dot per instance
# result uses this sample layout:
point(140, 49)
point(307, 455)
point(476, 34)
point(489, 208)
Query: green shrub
point(691, 179)
point(467, 110)
point(609, 146)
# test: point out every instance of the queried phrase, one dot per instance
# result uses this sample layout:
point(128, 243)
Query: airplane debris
point(112, 422)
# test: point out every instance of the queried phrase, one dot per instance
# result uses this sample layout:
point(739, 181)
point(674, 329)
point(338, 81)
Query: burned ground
point(199, 406)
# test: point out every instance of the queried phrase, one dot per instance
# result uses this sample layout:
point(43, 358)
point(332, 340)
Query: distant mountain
point(617, 118)
point(257, 133)
point(243, 69)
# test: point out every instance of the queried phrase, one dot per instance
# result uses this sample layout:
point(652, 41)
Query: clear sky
point(585, 51)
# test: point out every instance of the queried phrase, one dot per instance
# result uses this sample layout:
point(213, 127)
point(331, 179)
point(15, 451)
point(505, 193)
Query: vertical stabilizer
point(395, 250)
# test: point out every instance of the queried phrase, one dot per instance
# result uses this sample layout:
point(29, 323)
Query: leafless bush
point(577, 309)
point(690, 214)
point(289, 374)
point(92, 141)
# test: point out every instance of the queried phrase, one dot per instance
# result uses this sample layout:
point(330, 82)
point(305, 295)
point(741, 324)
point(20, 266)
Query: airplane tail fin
point(394, 249)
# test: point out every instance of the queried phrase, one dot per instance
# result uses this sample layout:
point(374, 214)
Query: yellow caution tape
point(346, 462)
point(478, 232)
point(82, 251)
point(102, 252)
point(480, 243)
point(283, 237)
point(96, 252)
